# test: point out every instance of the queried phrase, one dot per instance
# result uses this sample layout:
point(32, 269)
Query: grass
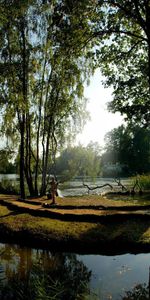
point(43, 230)
point(54, 228)
point(91, 200)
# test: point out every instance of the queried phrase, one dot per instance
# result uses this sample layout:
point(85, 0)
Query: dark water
point(38, 274)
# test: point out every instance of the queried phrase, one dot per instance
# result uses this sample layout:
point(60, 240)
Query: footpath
point(78, 212)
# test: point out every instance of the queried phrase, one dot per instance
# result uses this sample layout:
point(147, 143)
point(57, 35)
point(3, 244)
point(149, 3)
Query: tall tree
point(41, 85)
point(14, 74)
point(124, 55)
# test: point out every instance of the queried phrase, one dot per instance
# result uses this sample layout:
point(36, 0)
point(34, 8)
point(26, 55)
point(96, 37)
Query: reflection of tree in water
point(139, 292)
point(42, 276)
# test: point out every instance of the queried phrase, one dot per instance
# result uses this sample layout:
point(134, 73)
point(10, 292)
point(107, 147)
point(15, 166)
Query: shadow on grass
point(12, 213)
point(118, 237)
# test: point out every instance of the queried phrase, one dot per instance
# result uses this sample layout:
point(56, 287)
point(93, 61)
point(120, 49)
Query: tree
point(41, 85)
point(79, 161)
point(124, 55)
point(130, 147)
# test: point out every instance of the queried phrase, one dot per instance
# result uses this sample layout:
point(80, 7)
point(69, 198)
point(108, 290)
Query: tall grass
point(143, 181)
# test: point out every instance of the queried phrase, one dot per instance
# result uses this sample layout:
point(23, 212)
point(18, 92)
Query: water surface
point(53, 275)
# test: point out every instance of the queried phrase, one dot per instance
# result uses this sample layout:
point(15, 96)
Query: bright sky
point(101, 121)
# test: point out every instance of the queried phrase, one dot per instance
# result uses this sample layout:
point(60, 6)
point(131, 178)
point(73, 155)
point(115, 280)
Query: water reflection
point(112, 276)
point(37, 274)
point(42, 275)
point(139, 292)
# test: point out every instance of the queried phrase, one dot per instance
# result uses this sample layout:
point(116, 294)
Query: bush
point(9, 187)
point(144, 181)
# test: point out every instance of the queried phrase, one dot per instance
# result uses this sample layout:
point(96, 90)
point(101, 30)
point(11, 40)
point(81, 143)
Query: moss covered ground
point(107, 234)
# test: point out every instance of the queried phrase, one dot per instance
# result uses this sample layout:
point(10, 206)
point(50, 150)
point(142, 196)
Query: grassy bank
point(106, 236)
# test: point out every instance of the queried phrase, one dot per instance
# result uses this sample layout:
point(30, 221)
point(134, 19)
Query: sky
point(101, 121)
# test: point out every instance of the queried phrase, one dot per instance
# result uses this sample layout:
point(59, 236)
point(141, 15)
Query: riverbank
point(90, 224)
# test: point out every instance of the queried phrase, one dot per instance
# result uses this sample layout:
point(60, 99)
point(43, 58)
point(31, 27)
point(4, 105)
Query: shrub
point(9, 187)
point(144, 181)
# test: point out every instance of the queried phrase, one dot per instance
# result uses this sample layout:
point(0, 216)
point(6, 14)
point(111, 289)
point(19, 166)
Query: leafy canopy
point(123, 55)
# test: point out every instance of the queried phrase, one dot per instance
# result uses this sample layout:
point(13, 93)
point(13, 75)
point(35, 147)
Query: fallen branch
point(96, 187)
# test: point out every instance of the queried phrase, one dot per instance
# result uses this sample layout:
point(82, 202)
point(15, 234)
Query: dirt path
point(78, 209)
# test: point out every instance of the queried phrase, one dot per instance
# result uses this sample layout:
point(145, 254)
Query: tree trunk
point(22, 187)
point(38, 131)
point(23, 120)
point(46, 131)
point(147, 32)
point(28, 171)
point(27, 134)
point(45, 163)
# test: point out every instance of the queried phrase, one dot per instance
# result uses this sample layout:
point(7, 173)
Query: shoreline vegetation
point(87, 224)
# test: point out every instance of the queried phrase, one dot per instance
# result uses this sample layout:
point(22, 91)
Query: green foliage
point(43, 69)
point(41, 86)
point(79, 161)
point(124, 55)
point(144, 181)
point(6, 165)
point(130, 147)
point(9, 187)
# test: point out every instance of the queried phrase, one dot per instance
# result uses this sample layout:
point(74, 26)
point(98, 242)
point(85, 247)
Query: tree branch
point(97, 187)
point(35, 159)
point(111, 31)
point(120, 184)
point(139, 17)
point(128, 12)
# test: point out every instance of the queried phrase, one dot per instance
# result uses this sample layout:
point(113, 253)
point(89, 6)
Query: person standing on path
point(53, 189)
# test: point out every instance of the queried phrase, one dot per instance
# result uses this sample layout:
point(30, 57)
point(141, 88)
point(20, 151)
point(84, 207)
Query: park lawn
point(42, 230)
point(51, 227)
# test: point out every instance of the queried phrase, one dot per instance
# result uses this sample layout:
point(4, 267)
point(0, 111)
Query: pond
point(38, 274)
point(74, 187)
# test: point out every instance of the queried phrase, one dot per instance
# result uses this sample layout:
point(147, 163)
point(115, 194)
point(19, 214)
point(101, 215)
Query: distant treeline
point(127, 148)
point(126, 153)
